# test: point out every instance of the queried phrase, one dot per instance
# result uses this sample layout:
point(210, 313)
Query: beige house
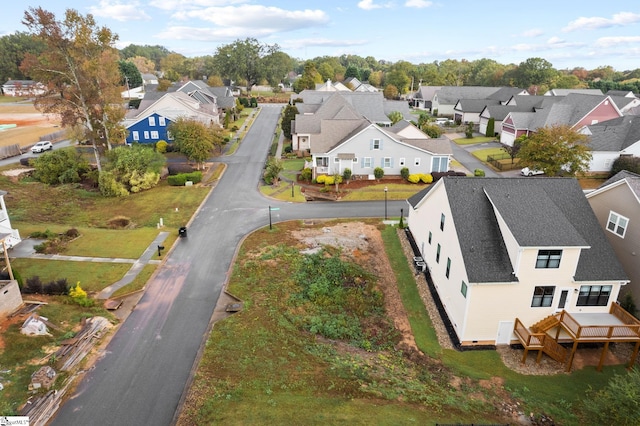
point(617, 206)
point(519, 256)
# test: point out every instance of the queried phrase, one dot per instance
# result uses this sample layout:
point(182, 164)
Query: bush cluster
point(378, 172)
point(35, 286)
point(329, 179)
point(630, 164)
point(306, 174)
point(182, 178)
point(404, 173)
point(175, 169)
point(420, 177)
point(478, 172)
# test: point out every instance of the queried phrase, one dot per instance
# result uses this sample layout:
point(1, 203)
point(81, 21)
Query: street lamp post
point(386, 190)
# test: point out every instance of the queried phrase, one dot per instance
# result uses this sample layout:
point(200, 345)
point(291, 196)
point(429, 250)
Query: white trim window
point(402, 162)
point(376, 144)
point(146, 135)
point(617, 224)
point(387, 163)
point(161, 121)
point(367, 162)
point(152, 121)
point(135, 135)
point(155, 134)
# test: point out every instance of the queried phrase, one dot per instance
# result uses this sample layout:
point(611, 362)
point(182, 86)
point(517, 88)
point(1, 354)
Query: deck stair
point(546, 324)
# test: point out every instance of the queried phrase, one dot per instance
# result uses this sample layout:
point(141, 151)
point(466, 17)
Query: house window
point(430, 236)
point(169, 136)
point(146, 135)
point(617, 224)
point(542, 296)
point(367, 162)
point(386, 162)
point(336, 160)
point(416, 161)
point(448, 270)
point(594, 295)
point(438, 254)
point(136, 135)
point(463, 289)
point(402, 161)
point(439, 164)
point(154, 134)
point(322, 161)
point(375, 144)
point(161, 121)
point(548, 259)
point(442, 222)
point(152, 121)
point(355, 160)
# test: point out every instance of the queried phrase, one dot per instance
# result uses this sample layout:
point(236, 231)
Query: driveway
point(145, 369)
point(463, 154)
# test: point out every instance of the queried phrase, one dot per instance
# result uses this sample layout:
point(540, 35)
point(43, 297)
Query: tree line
point(248, 62)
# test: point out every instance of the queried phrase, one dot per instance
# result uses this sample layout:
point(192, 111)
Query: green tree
point(276, 65)
point(399, 79)
point(514, 149)
point(80, 66)
point(468, 131)
point(193, 139)
point(173, 66)
point(60, 166)
point(555, 148)
point(491, 125)
point(352, 71)
point(13, 48)
point(535, 72)
point(618, 403)
point(272, 170)
point(131, 77)
point(153, 53)
point(390, 92)
point(310, 76)
point(395, 116)
point(243, 60)
point(288, 115)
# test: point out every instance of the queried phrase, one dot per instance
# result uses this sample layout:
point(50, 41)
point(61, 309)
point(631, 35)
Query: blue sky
point(585, 34)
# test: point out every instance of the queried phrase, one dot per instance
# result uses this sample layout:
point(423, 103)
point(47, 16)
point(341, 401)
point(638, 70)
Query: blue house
point(149, 129)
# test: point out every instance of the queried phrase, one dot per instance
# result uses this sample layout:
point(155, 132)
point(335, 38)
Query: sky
point(568, 34)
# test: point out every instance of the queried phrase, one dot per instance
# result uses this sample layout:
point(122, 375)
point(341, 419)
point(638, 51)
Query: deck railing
point(631, 328)
point(527, 338)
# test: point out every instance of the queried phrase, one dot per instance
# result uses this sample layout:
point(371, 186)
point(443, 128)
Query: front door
point(563, 300)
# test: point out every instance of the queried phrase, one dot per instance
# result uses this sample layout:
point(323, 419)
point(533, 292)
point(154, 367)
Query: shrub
point(404, 172)
point(195, 177)
point(34, 286)
point(329, 180)
point(306, 174)
point(118, 222)
point(288, 149)
point(72, 233)
point(26, 161)
point(468, 131)
point(346, 174)
point(491, 124)
point(426, 178)
point(414, 178)
point(478, 172)
point(177, 180)
point(432, 130)
point(321, 179)
point(79, 296)
point(43, 235)
point(630, 164)
point(110, 187)
point(616, 403)
point(378, 172)
point(57, 288)
point(161, 146)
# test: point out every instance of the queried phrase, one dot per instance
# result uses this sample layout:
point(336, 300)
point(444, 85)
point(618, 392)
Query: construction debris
point(72, 351)
point(35, 325)
point(44, 377)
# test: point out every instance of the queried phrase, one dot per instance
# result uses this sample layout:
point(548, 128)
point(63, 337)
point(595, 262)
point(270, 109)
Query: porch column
point(603, 355)
point(634, 355)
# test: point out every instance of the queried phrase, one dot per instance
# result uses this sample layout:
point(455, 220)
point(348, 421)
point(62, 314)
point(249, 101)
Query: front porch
point(547, 335)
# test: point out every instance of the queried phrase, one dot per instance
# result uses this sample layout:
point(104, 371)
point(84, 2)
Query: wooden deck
point(616, 326)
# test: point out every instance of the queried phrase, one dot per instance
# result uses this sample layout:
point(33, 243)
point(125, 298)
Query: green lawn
point(376, 192)
point(474, 140)
point(482, 154)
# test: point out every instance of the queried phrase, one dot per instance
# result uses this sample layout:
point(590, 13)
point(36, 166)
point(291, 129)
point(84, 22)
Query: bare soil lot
point(30, 124)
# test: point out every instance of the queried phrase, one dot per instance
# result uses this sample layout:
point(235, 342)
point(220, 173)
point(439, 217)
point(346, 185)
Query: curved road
point(142, 375)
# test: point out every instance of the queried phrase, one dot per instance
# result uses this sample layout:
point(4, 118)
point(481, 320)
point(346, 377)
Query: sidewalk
point(26, 250)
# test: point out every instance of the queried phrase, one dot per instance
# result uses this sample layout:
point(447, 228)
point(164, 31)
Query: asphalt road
point(146, 366)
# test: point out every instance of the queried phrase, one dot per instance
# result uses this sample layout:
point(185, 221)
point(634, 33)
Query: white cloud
point(418, 3)
point(320, 42)
point(120, 12)
point(191, 4)
point(597, 22)
point(534, 32)
point(370, 5)
point(616, 41)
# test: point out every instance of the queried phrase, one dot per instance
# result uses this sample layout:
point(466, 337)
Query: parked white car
point(42, 146)
point(530, 172)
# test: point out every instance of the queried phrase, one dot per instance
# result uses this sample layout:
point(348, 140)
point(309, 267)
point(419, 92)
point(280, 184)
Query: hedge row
point(182, 178)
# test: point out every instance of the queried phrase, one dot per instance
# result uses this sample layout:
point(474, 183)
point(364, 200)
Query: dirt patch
point(363, 243)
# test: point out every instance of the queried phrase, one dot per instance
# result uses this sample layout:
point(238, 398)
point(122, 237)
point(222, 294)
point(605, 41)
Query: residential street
point(144, 370)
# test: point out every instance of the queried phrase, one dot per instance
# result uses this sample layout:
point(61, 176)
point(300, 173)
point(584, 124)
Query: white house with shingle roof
point(499, 249)
point(611, 139)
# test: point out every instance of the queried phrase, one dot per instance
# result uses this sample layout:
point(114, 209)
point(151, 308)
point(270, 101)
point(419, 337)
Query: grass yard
point(482, 154)
point(395, 191)
point(474, 140)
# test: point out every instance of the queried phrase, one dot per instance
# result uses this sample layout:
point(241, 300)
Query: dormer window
point(548, 259)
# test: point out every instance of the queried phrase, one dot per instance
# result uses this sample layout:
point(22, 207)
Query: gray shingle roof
point(632, 179)
point(449, 95)
point(541, 212)
point(615, 135)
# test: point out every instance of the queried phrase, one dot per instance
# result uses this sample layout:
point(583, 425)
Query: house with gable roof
point(611, 139)
point(338, 136)
point(575, 110)
point(445, 99)
point(508, 259)
point(517, 103)
point(23, 88)
point(616, 204)
point(149, 123)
